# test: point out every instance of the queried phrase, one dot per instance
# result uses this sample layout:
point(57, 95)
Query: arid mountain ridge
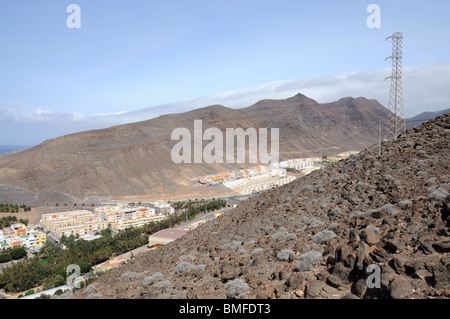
point(388, 207)
point(133, 161)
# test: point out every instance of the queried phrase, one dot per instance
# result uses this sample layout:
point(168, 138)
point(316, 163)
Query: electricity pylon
point(396, 121)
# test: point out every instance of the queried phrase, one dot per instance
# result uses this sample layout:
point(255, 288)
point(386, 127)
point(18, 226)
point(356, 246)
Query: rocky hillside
point(316, 237)
point(133, 161)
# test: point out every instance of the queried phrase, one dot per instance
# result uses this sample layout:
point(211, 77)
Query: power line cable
point(425, 49)
point(426, 28)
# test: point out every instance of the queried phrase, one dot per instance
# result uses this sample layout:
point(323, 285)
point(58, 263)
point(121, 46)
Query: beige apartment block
point(128, 222)
point(74, 223)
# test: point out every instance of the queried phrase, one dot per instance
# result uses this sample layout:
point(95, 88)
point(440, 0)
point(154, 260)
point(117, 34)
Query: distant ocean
point(5, 149)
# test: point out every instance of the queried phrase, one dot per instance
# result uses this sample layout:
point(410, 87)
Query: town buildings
point(74, 223)
point(82, 222)
point(19, 235)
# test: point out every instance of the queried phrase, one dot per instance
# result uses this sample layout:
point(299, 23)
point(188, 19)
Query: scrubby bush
point(404, 203)
point(164, 284)
point(283, 255)
point(356, 214)
point(5, 257)
point(335, 212)
point(130, 275)
point(389, 209)
point(308, 260)
point(17, 253)
point(323, 236)
point(257, 251)
point(375, 229)
point(235, 244)
point(438, 195)
point(184, 267)
point(183, 257)
point(409, 144)
point(314, 222)
point(241, 251)
point(201, 268)
point(304, 219)
point(333, 226)
point(237, 289)
point(282, 232)
point(290, 236)
point(157, 276)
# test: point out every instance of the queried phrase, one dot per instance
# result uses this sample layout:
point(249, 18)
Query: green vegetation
point(12, 254)
point(7, 221)
point(197, 206)
point(29, 292)
point(13, 208)
point(48, 267)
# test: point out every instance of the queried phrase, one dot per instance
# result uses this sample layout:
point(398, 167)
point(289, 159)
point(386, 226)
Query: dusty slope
point(315, 237)
point(134, 159)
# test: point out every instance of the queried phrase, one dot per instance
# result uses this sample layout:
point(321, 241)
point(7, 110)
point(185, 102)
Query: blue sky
point(130, 55)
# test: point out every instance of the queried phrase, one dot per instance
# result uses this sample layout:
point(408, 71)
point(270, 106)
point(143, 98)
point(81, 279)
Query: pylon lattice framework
point(396, 121)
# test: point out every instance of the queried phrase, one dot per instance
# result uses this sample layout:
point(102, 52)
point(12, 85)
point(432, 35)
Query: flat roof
point(170, 234)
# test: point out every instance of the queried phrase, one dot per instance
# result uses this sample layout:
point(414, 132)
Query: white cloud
point(425, 89)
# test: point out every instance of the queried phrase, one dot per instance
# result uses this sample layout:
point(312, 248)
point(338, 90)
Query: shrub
point(282, 232)
point(438, 195)
point(290, 236)
point(5, 257)
point(184, 267)
point(336, 212)
point(241, 251)
point(333, 226)
point(389, 209)
point(314, 222)
point(130, 275)
point(29, 292)
point(323, 236)
point(164, 284)
point(237, 289)
point(257, 251)
point(404, 203)
point(308, 260)
point(284, 254)
point(201, 268)
point(235, 244)
point(375, 229)
point(183, 257)
point(18, 253)
point(356, 214)
point(157, 276)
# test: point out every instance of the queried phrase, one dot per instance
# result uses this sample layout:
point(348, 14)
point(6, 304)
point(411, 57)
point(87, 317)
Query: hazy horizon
point(138, 60)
